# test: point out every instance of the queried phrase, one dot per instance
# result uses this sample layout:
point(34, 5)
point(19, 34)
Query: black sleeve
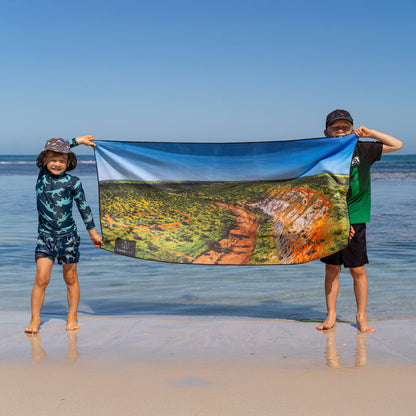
point(372, 151)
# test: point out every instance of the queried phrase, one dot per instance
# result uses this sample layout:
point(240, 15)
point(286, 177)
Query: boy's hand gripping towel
point(281, 202)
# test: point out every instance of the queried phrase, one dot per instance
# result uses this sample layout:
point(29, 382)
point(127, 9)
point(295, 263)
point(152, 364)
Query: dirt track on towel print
point(239, 245)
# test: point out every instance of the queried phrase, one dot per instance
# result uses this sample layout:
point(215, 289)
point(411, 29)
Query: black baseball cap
point(338, 115)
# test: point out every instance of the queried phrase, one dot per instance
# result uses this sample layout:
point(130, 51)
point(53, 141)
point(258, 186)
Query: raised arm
point(87, 140)
point(390, 143)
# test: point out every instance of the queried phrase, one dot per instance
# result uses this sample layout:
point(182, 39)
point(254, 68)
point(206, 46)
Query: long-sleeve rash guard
point(55, 196)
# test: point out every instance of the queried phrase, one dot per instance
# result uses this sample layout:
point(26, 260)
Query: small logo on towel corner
point(125, 247)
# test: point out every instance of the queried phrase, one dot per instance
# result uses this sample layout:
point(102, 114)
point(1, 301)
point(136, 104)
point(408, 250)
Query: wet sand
point(181, 365)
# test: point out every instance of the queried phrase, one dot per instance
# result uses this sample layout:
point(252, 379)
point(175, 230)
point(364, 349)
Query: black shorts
point(355, 254)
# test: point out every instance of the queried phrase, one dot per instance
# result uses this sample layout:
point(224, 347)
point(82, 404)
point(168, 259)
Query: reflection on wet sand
point(39, 354)
point(73, 353)
point(361, 349)
point(333, 359)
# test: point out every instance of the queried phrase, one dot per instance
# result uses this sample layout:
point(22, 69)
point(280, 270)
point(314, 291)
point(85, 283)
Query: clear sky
point(235, 70)
point(269, 160)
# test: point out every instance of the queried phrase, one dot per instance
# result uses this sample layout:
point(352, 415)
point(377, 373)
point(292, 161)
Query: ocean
point(117, 285)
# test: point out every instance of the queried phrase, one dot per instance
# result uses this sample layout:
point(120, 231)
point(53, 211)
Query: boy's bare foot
point(71, 323)
point(363, 325)
point(330, 322)
point(34, 326)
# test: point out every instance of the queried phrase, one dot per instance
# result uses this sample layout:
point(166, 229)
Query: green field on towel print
point(269, 222)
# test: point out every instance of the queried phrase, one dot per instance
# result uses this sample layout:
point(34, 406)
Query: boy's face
point(339, 128)
point(56, 163)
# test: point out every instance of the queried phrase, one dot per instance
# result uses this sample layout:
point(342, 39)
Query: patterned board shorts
point(65, 248)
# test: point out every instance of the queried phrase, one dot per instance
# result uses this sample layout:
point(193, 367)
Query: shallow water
point(112, 284)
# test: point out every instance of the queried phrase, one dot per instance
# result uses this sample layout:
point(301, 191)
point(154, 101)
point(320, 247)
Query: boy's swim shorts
point(65, 248)
point(355, 254)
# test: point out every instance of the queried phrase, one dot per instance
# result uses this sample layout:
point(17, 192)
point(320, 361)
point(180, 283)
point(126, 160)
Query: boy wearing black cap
point(339, 123)
point(57, 233)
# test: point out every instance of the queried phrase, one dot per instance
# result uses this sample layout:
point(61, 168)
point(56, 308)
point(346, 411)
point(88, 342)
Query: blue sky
point(256, 161)
point(203, 70)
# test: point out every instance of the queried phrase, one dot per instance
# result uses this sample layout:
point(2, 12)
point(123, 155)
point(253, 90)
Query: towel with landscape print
point(251, 203)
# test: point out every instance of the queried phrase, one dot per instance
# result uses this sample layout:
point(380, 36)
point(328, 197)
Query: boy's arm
point(82, 204)
point(95, 237)
point(390, 143)
point(87, 140)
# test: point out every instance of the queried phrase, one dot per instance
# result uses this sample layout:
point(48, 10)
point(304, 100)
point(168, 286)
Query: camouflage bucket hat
point(57, 145)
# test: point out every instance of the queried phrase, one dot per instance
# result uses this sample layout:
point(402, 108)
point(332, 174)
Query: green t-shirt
point(359, 195)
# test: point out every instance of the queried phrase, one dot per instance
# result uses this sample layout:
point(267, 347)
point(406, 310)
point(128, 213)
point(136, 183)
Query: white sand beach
point(183, 365)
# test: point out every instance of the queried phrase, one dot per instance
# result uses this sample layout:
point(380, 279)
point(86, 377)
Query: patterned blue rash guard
point(55, 196)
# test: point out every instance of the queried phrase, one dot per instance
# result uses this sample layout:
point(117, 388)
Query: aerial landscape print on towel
point(252, 203)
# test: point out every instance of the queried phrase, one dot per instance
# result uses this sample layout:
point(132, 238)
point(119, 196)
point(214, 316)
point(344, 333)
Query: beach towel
point(251, 203)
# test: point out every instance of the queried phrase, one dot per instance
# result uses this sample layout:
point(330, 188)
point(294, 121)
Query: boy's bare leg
point(43, 275)
point(359, 275)
point(331, 293)
point(73, 294)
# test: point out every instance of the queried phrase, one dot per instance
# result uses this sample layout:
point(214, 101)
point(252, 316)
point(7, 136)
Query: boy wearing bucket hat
point(340, 123)
point(57, 232)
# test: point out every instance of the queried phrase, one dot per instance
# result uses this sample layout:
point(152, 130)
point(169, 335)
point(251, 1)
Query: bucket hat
point(57, 145)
